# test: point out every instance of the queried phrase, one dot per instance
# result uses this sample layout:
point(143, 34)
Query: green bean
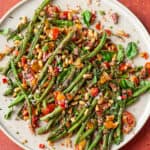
point(105, 141)
point(79, 116)
point(88, 143)
point(30, 28)
point(77, 87)
point(119, 135)
point(9, 91)
point(35, 39)
point(58, 136)
point(131, 101)
point(16, 101)
point(62, 23)
point(78, 78)
point(56, 131)
point(53, 114)
point(141, 90)
point(8, 114)
point(121, 54)
point(110, 139)
point(97, 49)
point(19, 29)
point(87, 133)
point(45, 128)
point(97, 139)
point(84, 117)
point(47, 89)
point(69, 77)
point(79, 133)
point(51, 58)
point(24, 93)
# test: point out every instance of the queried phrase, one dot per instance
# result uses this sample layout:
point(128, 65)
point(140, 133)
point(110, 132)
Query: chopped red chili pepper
point(98, 26)
point(48, 109)
point(123, 67)
point(55, 33)
point(94, 91)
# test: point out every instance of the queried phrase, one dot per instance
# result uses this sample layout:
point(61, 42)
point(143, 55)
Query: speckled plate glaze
point(128, 22)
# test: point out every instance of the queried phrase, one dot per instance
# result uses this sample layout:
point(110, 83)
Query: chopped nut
point(17, 89)
point(78, 63)
point(101, 100)
point(99, 57)
point(40, 63)
point(87, 76)
point(40, 54)
point(86, 96)
point(97, 108)
point(72, 119)
point(90, 125)
point(81, 102)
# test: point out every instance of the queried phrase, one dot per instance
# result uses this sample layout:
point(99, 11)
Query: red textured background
point(141, 8)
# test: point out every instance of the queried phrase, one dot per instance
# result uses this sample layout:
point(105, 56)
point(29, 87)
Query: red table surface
point(140, 8)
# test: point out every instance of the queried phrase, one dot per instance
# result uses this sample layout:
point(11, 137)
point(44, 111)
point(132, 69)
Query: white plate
point(128, 22)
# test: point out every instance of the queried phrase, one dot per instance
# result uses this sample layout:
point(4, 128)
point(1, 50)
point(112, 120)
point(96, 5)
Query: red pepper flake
point(98, 26)
point(4, 80)
point(94, 91)
point(109, 33)
point(144, 55)
point(42, 146)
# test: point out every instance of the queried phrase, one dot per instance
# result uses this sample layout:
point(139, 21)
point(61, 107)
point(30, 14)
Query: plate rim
point(138, 22)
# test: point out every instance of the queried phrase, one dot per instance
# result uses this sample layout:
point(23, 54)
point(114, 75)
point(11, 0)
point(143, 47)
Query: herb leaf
point(126, 84)
point(107, 56)
point(87, 17)
point(132, 50)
